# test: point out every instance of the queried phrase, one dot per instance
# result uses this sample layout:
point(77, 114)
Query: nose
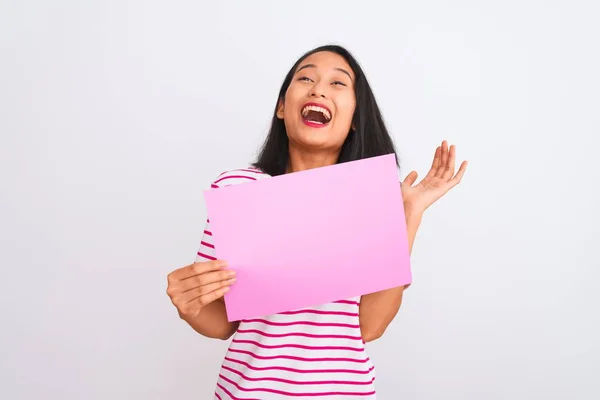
point(318, 90)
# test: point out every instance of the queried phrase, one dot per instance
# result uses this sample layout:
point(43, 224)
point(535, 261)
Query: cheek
point(346, 110)
point(291, 105)
point(293, 94)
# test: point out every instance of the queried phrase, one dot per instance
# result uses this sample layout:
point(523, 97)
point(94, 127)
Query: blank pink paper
point(312, 237)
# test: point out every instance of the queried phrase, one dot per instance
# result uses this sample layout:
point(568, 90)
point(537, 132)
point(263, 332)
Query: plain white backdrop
point(116, 115)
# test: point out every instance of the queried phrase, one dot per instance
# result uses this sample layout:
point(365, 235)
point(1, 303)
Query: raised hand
point(438, 181)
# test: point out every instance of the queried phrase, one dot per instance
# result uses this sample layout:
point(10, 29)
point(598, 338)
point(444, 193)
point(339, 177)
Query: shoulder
point(238, 176)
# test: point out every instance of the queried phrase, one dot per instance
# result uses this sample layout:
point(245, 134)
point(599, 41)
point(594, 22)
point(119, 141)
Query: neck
point(301, 159)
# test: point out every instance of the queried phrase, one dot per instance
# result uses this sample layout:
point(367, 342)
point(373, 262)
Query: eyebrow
point(314, 66)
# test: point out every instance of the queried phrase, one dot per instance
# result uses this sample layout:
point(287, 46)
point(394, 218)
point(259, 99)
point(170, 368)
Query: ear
point(280, 109)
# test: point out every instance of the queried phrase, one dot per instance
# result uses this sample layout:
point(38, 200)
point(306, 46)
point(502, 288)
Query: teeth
point(322, 110)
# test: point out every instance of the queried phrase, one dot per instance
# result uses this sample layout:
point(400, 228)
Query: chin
point(312, 142)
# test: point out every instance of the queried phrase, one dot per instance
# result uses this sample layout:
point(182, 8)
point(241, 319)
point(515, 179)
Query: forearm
point(212, 321)
point(377, 310)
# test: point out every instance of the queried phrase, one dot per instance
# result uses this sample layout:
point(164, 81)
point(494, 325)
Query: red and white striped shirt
point(315, 352)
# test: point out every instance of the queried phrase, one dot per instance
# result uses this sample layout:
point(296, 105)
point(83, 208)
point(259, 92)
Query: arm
point(377, 310)
point(211, 321)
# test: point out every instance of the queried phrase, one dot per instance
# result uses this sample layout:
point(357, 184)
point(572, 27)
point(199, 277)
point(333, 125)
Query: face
point(319, 104)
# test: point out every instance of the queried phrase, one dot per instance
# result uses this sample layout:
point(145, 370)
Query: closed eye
point(339, 83)
point(304, 78)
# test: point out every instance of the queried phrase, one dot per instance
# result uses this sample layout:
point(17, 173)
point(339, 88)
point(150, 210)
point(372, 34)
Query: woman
point(325, 114)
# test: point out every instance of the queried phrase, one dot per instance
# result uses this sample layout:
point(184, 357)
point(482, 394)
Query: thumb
point(410, 178)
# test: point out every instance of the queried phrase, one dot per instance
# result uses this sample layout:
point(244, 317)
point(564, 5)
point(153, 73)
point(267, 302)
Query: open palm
point(440, 179)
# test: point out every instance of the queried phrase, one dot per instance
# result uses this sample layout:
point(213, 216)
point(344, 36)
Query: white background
point(115, 116)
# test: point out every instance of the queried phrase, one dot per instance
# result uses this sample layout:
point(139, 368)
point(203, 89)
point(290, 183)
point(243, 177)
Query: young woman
point(325, 114)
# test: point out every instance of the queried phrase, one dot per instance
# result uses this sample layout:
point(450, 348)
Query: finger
point(443, 160)
point(410, 178)
point(196, 269)
point(208, 298)
point(449, 170)
point(215, 276)
point(435, 164)
point(437, 158)
point(202, 280)
point(193, 294)
point(461, 171)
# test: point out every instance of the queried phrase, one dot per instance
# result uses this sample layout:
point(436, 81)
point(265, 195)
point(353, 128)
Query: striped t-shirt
point(315, 352)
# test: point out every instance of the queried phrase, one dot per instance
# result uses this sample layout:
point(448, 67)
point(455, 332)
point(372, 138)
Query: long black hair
point(368, 138)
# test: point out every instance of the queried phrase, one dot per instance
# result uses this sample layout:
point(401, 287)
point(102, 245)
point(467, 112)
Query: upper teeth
point(322, 110)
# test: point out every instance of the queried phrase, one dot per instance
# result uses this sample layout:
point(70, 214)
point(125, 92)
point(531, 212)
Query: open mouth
point(316, 115)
